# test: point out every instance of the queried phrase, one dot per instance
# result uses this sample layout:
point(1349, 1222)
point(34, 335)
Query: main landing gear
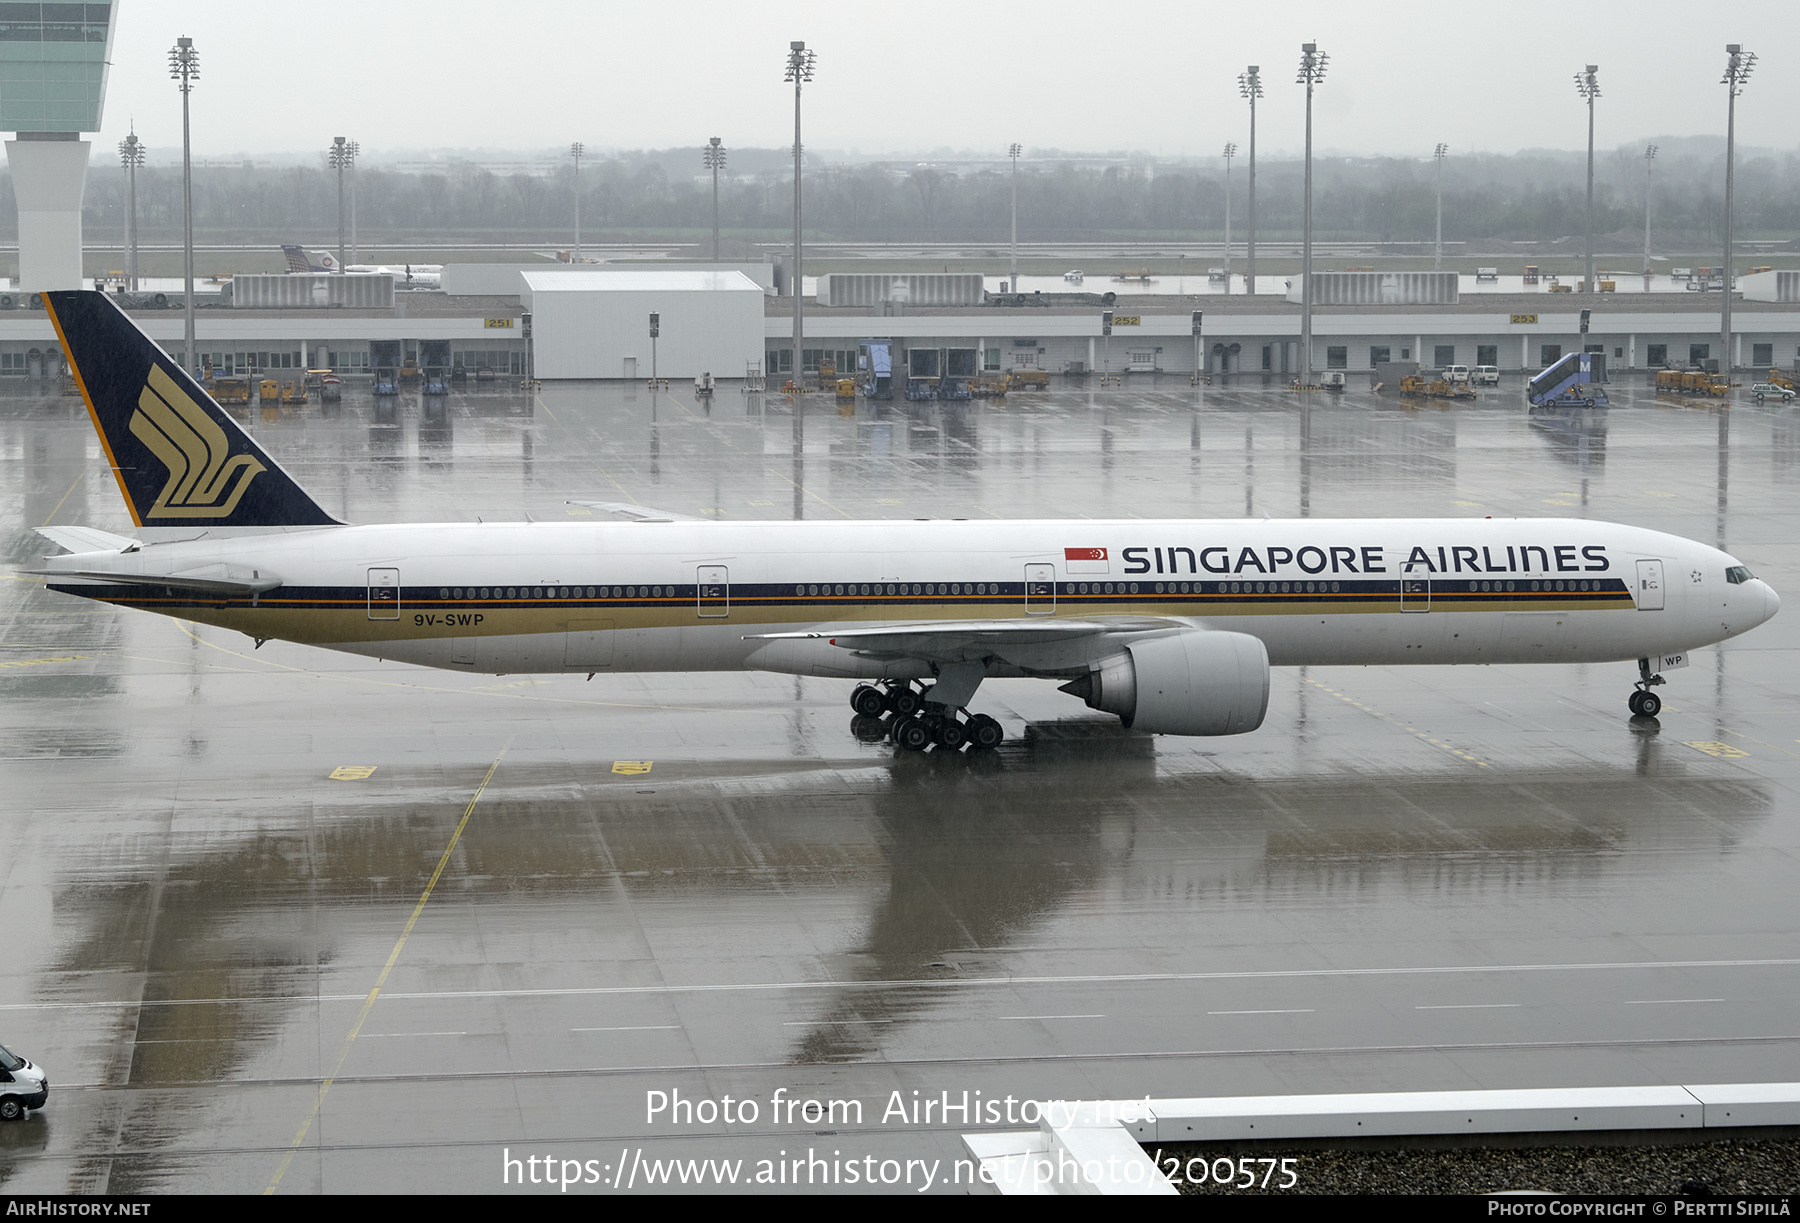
point(1644, 702)
point(906, 714)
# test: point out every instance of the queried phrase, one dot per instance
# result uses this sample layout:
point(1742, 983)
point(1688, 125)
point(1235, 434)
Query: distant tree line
point(1529, 196)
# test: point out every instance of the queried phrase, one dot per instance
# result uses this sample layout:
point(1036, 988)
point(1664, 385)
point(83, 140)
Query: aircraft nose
point(1771, 602)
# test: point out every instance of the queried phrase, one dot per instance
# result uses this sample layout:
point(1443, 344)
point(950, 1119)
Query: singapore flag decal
point(1084, 560)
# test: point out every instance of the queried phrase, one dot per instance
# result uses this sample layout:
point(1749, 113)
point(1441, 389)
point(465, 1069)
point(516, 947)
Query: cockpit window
point(1737, 575)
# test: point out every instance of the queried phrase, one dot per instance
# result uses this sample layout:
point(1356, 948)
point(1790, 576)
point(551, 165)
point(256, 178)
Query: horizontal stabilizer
point(213, 579)
point(87, 539)
point(637, 513)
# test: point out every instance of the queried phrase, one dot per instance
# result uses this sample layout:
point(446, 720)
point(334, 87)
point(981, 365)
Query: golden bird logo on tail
point(205, 481)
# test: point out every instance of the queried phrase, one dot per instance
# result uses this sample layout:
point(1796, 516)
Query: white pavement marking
point(931, 983)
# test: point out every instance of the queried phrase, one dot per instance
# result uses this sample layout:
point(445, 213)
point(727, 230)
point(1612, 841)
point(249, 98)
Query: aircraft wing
point(1028, 642)
point(637, 513)
point(87, 539)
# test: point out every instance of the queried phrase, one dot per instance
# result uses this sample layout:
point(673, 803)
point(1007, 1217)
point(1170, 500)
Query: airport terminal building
point(727, 320)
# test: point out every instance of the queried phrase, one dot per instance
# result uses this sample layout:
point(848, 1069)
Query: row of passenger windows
point(964, 588)
point(556, 592)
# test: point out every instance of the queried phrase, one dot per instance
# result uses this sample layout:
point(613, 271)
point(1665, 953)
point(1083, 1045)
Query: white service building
point(588, 326)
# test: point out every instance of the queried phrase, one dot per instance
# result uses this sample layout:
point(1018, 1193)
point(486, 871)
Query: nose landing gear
point(1644, 702)
point(903, 713)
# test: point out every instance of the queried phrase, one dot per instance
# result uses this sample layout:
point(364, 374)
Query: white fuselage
point(696, 596)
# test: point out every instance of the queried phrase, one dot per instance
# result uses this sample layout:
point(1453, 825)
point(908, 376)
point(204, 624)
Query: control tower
point(53, 62)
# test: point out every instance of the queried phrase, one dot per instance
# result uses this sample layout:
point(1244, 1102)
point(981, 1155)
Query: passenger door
point(384, 594)
point(1040, 590)
point(712, 589)
point(1650, 585)
point(1415, 591)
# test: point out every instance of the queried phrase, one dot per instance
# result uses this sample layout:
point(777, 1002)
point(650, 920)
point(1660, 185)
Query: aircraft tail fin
point(182, 463)
point(299, 259)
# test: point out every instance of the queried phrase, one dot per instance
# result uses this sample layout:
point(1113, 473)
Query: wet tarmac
point(286, 918)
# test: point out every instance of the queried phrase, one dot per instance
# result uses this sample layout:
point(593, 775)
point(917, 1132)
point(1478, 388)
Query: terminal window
point(1658, 354)
point(1444, 354)
point(1550, 354)
point(12, 363)
point(1487, 354)
point(1699, 352)
point(1762, 354)
point(1378, 354)
point(1337, 357)
point(1268, 356)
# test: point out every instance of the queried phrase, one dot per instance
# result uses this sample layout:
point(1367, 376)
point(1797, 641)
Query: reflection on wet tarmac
point(195, 910)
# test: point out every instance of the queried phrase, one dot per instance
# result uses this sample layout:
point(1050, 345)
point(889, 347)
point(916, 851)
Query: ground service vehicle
point(1485, 375)
point(23, 1086)
point(1170, 625)
point(1769, 390)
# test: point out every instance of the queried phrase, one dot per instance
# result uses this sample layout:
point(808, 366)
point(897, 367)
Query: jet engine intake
point(1193, 683)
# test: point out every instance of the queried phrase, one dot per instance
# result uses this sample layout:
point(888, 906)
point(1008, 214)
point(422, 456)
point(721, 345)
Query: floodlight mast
point(1649, 160)
point(1250, 86)
point(1013, 152)
point(1587, 84)
point(184, 69)
point(338, 158)
point(575, 151)
point(1437, 261)
point(1312, 73)
point(1738, 67)
point(131, 156)
point(1230, 152)
point(800, 63)
point(713, 158)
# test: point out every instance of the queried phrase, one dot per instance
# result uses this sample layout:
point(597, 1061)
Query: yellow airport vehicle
point(410, 371)
point(1435, 388)
point(1029, 379)
point(846, 388)
point(229, 390)
point(827, 371)
point(293, 392)
point(268, 390)
point(1692, 382)
point(1782, 378)
point(989, 386)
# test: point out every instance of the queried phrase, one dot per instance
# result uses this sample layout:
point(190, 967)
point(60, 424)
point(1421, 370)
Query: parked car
point(1485, 375)
point(1762, 389)
point(22, 1085)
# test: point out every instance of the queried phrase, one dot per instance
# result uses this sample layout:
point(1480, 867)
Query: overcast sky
point(282, 77)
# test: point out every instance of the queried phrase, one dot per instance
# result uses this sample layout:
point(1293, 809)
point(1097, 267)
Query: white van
point(1456, 373)
point(1485, 375)
point(22, 1085)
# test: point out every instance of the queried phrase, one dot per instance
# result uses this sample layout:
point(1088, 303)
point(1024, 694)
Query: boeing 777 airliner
point(1172, 625)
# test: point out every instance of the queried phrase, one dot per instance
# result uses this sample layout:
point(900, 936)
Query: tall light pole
point(575, 152)
point(184, 68)
point(338, 158)
point(1230, 152)
point(352, 151)
point(1312, 72)
point(1437, 258)
point(1649, 160)
point(1013, 152)
point(713, 155)
point(131, 156)
point(799, 71)
point(1250, 85)
point(1587, 84)
point(1737, 74)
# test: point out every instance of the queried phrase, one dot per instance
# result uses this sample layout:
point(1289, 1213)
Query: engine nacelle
point(1193, 683)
